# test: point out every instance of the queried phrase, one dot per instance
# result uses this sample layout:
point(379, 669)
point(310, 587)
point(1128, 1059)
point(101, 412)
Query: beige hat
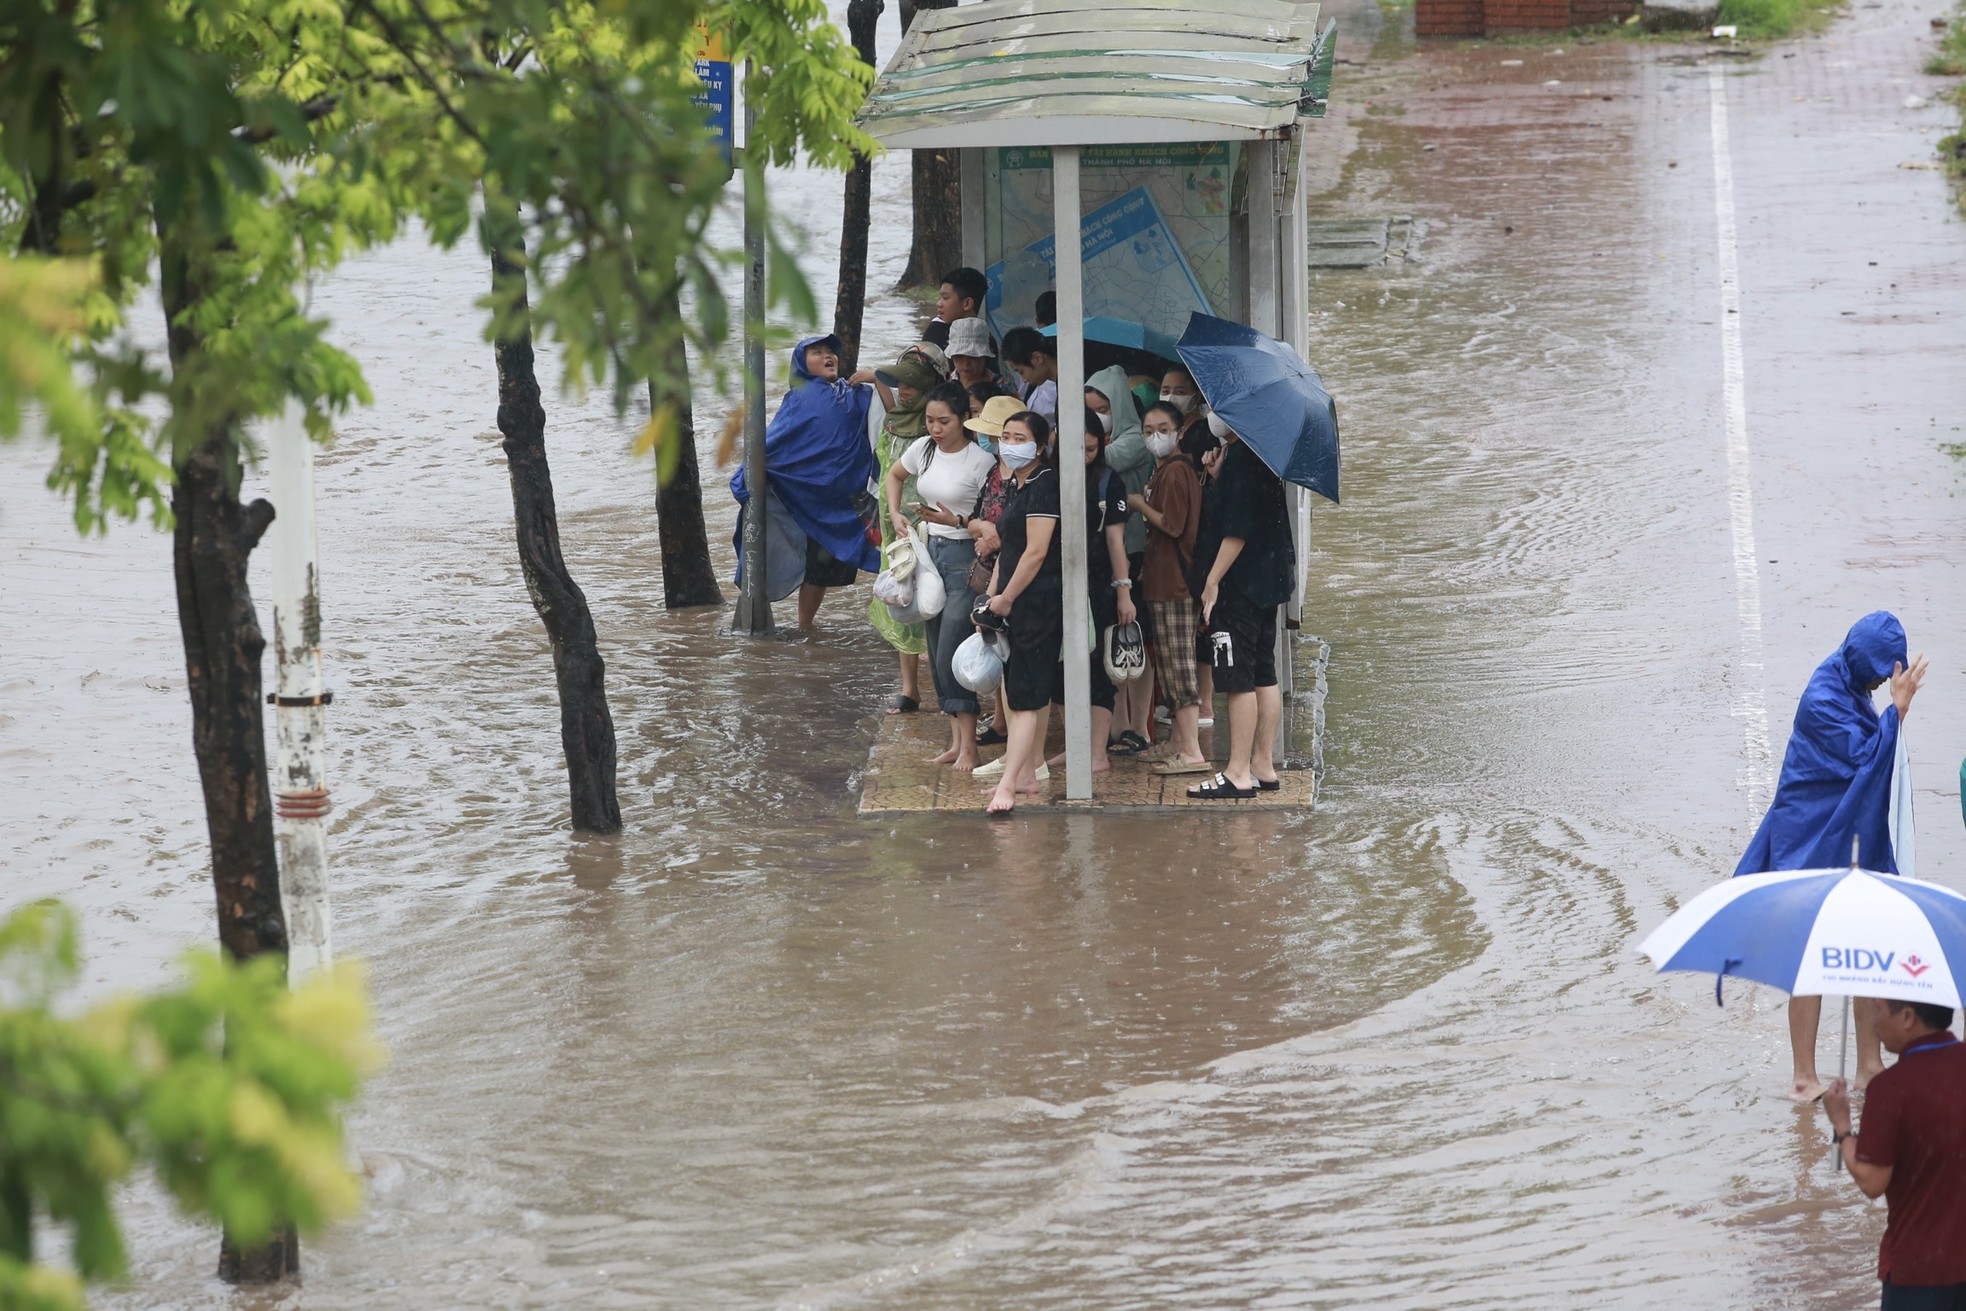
point(996, 411)
point(928, 353)
point(970, 337)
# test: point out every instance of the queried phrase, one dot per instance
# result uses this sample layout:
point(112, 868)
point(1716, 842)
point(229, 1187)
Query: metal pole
point(753, 616)
point(300, 789)
point(1066, 223)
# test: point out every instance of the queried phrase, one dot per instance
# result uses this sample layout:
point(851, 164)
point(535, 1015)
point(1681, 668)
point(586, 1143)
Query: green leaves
point(230, 1087)
point(267, 139)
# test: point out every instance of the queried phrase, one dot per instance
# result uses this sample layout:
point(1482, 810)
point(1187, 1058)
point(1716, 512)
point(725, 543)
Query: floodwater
point(1400, 1053)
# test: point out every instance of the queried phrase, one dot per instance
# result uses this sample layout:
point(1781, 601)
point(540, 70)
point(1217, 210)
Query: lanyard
point(1934, 1040)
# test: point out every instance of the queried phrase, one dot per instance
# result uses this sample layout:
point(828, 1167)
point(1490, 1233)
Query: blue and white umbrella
point(1822, 932)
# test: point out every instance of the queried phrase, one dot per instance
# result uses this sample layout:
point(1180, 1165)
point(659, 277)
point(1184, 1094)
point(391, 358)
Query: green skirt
point(908, 639)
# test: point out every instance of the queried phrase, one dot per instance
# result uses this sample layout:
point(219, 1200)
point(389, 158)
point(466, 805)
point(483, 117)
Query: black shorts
point(1240, 644)
point(823, 569)
point(1037, 630)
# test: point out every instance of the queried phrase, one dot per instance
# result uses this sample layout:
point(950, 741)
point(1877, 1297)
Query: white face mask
point(1161, 444)
point(1222, 430)
point(1106, 422)
point(1017, 454)
point(1185, 404)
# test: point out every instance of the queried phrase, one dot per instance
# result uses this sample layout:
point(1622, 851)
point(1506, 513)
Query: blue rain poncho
point(818, 461)
point(1840, 773)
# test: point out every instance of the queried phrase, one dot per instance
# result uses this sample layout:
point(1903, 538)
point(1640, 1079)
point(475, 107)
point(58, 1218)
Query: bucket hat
point(996, 411)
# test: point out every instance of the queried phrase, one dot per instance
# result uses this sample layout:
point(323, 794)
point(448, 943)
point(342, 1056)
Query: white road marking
point(1749, 693)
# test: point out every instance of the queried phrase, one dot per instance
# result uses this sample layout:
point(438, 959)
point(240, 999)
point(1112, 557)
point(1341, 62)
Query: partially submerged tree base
point(276, 1259)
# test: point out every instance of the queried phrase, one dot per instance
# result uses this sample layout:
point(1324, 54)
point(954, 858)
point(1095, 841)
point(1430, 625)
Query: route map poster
point(1155, 237)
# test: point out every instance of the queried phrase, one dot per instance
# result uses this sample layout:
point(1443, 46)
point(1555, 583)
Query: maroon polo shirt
point(1915, 1122)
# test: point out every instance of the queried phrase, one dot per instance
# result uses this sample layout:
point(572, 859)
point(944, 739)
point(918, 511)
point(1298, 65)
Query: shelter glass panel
point(1156, 239)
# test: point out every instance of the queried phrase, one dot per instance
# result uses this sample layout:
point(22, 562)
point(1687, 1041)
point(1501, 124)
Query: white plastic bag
point(978, 663)
point(895, 592)
point(931, 594)
point(894, 587)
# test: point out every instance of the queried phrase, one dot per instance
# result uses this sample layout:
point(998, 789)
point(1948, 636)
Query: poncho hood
point(1874, 646)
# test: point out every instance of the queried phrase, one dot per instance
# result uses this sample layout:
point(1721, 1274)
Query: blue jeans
point(951, 558)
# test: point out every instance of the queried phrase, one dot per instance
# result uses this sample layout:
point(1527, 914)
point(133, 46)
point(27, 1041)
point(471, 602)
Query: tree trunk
point(586, 727)
point(850, 304)
point(688, 577)
point(938, 243)
point(211, 546)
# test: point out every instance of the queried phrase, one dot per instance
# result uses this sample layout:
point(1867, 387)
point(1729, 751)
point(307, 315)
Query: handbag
point(981, 571)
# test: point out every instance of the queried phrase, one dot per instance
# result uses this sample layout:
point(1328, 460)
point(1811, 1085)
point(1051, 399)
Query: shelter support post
point(1297, 333)
point(1066, 222)
point(753, 617)
point(976, 254)
point(300, 788)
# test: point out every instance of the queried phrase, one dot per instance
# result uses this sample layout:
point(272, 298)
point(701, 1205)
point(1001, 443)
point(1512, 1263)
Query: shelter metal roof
point(1081, 72)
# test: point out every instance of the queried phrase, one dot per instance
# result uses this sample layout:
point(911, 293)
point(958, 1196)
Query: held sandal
point(902, 705)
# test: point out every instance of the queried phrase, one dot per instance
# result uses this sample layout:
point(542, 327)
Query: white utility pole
point(1068, 222)
point(300, 789)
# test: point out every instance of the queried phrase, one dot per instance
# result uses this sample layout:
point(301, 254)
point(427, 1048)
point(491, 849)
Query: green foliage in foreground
point(229, 1087)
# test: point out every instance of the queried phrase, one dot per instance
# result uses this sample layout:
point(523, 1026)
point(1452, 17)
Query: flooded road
point(1399, 1053)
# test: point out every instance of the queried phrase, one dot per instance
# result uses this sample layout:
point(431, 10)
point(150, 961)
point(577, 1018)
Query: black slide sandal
point(1220, 788)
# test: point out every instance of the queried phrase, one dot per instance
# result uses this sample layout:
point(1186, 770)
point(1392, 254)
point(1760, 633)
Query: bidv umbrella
point(1822, 932)
point(1274, 401)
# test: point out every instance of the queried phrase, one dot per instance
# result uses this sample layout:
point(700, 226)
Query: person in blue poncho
point(1838, 782)
point(818, 463)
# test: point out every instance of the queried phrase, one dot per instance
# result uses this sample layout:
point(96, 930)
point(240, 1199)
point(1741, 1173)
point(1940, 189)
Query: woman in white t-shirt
point(949, 470)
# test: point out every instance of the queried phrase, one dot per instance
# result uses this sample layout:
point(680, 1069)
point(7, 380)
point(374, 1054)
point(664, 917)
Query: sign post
point(753, 618)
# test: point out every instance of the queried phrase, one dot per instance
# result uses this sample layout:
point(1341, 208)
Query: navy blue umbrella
point(1274, 401)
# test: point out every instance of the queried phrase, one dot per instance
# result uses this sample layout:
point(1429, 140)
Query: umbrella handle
point(1721, 978)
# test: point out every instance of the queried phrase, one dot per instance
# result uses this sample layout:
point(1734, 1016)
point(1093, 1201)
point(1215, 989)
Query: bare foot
point(1100, 765)
point(964, 761)
point(1805, 1089)
point(1865, 1073)
point(1002, 802)
point(950, 757)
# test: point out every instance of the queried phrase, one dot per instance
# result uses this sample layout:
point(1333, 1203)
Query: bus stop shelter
point(1171, 135)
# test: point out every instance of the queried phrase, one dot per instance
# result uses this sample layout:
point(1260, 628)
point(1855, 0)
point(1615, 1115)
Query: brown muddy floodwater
point(759, 1053)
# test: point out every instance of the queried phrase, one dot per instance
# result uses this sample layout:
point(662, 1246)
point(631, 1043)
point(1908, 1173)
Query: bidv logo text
point(1865, 961)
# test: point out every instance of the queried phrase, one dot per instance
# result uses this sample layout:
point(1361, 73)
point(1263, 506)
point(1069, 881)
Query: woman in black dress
point(1028, 594)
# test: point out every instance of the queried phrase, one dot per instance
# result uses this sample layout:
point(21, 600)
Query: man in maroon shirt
point(1913, 1151)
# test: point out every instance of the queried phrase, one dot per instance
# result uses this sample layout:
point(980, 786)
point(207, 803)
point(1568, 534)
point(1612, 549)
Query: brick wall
point(1487, 17)
point(1448, 18)
point(1526, 15)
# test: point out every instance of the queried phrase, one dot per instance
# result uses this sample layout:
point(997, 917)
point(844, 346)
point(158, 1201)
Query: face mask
point(1222, 430)
point(1018, 454)
point(987, 442)
point(1185, 404)
point(1161, 444)
point(1106, 422)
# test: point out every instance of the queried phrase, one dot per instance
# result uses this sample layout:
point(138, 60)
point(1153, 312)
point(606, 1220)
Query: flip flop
point(902, 705)
point(1274, 785)
point(1182, 767)
point(1220, 788)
